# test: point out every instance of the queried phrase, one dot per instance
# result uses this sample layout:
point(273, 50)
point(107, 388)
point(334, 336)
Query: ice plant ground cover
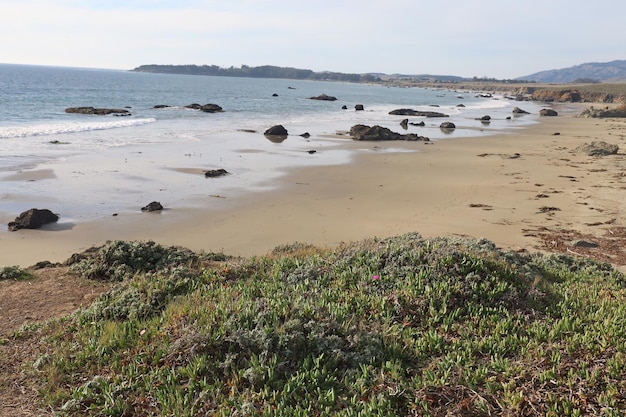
point(397, 326)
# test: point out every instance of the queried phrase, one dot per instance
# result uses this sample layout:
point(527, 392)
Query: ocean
point(88, 166)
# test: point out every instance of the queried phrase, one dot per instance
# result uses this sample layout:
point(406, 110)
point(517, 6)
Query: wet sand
point(504, 188)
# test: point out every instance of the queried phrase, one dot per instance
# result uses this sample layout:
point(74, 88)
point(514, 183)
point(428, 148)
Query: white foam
point(68, 127)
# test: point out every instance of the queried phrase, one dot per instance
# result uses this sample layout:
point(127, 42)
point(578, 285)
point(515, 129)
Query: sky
point(471, 38)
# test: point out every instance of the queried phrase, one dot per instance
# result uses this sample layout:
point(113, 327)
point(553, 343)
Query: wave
point(68, 127)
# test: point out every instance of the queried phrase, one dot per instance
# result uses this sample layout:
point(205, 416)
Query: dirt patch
point(609, 246)
point(51, 293)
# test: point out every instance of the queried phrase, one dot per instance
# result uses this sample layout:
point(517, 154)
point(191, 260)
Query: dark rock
point(324, 97)
point(278, 130)
point(421, 124)
point(405, 124)
point(548, 112)
point(584, 244)
point(93, 110)
point(207, 108)
point(359, 107)
point(411, 112)
point(378, 133)
point(154, 206)
point(597, 148)
point(517, 110)
point(485, 119)
point(214, 173)
point(447, 126)
point(161, 106)
point(306, 135)
point(460, 105)
point(312, 151)
point(211, 108)
point(344, 107)
point(33, 219)
point(274, 95)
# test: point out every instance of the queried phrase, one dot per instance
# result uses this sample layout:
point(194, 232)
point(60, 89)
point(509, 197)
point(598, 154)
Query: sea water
point(106, 164)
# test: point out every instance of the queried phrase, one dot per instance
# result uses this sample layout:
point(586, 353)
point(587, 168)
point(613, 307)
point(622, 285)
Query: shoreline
point(494, 187)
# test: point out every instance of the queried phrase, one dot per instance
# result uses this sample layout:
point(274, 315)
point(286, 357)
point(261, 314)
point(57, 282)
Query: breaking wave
point(67, 127)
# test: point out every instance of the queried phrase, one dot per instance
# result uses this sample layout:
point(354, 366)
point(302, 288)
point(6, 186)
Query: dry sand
point(506, 188)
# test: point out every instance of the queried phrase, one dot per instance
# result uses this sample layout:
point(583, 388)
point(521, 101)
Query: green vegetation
point(383, 327)
point(13, 272)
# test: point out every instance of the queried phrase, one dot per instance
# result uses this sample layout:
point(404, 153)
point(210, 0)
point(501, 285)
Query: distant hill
point(265, 71)
point(614, 71)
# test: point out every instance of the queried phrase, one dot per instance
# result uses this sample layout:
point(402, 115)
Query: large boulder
point(94, 110)
point(33, 219)
point(278, 130)
point(324, 97)
point(378, 133)
point(597, 148)
point(447, 126)
point(411, 112)
point(548, 112)
point(517, 110)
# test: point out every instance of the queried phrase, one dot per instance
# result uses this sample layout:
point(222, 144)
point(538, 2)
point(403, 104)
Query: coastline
point(505, 187)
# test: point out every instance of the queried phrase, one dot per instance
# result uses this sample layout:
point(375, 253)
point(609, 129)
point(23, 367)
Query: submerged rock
point(94, 110)
point(324, 97)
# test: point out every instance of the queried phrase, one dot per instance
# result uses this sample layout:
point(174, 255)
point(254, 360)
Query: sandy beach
point(507, 188)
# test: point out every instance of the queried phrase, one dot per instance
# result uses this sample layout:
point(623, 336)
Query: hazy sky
point(493, 38)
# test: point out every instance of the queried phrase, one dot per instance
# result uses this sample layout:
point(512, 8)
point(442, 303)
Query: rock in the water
point(517, 110)
point(278, 130)
point(100, 112)
point(597, 148)
point(548, 112)
point(154, 206)
point(207, 108)
point(447, 125)
point(306, 135)
point(411, 112)
point(33, 219)
point(405, 124)
point(377, 133)
point(485, 118)
point(359, 107)
point(324, 97)
point(214, 173)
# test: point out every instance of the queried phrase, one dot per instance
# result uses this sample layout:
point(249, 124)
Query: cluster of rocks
point(411, 112)
point(97, 111)
point(207, 108)
point(378, 133)
point(604, 112)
